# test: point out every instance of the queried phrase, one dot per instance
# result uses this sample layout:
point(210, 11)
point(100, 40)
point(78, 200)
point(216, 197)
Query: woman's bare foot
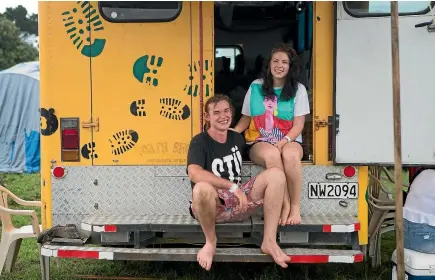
point(205, 255)
point(285, 213)
point(272, 249)
point(295, 215)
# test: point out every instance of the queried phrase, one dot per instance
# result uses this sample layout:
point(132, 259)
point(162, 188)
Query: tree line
point(16, 25)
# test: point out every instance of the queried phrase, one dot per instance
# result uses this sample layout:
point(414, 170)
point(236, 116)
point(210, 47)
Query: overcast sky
point(30, 5)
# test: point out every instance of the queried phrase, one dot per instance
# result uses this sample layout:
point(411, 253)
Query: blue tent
point(20, 119)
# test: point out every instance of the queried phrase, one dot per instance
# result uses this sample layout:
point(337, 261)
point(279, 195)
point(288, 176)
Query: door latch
point(91, 124)
point(318, 123)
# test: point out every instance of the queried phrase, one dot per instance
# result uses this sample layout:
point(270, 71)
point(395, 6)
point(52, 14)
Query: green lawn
point(27, 266)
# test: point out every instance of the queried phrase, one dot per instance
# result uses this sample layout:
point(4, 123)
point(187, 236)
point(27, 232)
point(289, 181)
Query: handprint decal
point(145, 69)
point(207, 77)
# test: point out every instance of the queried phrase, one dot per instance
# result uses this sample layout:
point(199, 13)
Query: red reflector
point(327, 228)
point(78, 254)
point(110, 228)
point(357, 226)
point(309, 259)
point(349, 171)
point(58, 172)
point(70, 138)
point(358, 258)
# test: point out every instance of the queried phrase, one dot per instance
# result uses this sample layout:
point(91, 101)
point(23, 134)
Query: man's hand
point(243, 200)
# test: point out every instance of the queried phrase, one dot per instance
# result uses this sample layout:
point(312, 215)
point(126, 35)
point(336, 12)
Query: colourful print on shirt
point(271, 118)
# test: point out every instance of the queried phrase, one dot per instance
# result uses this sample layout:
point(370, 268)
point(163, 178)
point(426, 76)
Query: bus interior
point(245, 34)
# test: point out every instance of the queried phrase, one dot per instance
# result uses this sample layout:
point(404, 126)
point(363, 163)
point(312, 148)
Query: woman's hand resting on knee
point(280, 144)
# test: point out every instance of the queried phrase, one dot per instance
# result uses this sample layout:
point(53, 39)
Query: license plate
point(333, 190)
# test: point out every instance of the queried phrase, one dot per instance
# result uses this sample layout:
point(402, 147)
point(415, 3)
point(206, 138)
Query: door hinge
point(318, 122)
point(92, 124)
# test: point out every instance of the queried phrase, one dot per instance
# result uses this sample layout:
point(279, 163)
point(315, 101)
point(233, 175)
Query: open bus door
point(363, 110)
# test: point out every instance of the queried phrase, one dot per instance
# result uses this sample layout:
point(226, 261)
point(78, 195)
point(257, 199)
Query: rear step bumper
point(185, 223)
point(298, 255)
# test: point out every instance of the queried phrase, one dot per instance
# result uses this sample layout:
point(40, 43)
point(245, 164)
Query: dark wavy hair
point(292, 79)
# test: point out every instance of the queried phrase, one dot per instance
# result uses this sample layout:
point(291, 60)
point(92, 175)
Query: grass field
point(27, 265)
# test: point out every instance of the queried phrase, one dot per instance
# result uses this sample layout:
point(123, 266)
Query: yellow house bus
point(123, 86)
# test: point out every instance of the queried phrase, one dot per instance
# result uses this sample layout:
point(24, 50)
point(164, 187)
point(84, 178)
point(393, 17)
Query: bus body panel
point(65, 88)
point(364, 89)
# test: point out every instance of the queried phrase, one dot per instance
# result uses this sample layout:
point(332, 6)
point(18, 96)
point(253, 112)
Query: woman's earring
point(275, 112)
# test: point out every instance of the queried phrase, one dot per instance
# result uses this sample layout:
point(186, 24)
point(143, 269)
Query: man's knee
point(203, 191)
point(275, 175)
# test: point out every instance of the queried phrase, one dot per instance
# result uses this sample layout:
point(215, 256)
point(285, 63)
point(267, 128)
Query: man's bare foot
point(295, 216)
point(272, 249)
point(205, 255)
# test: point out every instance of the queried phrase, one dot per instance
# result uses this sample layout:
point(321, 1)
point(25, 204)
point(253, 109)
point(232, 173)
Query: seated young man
point(214, 165)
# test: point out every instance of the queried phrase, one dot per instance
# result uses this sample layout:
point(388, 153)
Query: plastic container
point(418, 266)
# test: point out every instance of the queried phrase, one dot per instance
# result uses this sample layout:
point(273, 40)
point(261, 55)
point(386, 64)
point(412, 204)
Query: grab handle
point(422, 24)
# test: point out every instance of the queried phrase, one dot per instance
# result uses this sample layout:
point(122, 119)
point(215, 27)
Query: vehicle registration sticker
point(333, 190)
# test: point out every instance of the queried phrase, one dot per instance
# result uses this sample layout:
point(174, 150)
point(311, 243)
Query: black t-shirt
point(222, 159)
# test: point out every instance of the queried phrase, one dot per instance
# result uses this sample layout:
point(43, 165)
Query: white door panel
point(364, 98)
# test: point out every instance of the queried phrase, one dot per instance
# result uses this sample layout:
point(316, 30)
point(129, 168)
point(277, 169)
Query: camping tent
point(19, 118)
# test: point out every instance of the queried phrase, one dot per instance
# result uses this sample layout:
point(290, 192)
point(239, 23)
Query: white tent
point(20, 118)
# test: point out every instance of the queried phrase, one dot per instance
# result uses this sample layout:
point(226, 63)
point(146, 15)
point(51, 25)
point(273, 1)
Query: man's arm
point(196, 162)
point(198, 174)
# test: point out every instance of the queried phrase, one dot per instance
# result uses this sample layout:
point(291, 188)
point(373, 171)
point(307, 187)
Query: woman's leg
point(292, 154)
point(268, 156)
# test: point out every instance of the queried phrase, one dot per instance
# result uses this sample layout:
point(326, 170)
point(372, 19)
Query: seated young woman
point(273, 117)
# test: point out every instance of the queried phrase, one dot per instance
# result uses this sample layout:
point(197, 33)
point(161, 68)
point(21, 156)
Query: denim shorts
point(419, 237)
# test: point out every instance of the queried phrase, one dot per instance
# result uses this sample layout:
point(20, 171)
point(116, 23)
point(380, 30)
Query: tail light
point(349, 171)
point(70, 141)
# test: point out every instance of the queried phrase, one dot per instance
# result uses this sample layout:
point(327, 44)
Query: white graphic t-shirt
point(271, 117)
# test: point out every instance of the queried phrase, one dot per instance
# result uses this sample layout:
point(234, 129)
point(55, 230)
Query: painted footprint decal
point(145, 69)
point(207, 78)
point(137, 108)
point(78, 23)
point(173, 109)
point(49, 122)
point(88, 151)
point(123, 141)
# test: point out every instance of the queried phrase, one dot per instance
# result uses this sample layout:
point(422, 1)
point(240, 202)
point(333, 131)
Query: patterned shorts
point(229, 210)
